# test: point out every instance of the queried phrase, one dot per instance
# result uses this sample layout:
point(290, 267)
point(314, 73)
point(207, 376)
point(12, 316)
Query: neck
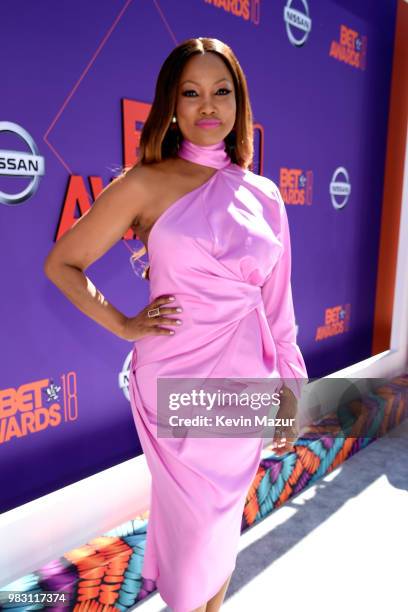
point(214, 156)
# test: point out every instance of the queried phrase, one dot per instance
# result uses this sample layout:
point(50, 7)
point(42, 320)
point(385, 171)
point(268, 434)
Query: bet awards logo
point(296, 185)
point(351, 48)
point(20, 164)
point(245, 9)
point(298, 22)
point(37, 405)
point(336, 321)
point(340, 188)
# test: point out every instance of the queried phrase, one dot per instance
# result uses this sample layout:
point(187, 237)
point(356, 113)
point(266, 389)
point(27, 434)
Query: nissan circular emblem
point(22, 164)
point(340, 188)
point(298, 21)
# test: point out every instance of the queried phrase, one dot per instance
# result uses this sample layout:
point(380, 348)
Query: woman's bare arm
point(90, 237)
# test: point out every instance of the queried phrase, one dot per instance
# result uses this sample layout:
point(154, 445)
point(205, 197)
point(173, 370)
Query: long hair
point(160, 137)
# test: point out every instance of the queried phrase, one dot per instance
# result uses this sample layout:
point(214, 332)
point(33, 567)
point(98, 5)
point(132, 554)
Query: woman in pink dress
point(220, 305)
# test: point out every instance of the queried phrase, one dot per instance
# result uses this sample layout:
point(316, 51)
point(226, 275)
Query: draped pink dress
point(223, 250)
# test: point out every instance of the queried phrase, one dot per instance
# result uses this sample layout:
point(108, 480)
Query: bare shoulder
point(146, 176)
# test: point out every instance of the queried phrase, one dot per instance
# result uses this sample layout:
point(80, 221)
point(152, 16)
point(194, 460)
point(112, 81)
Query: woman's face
point(205, 91)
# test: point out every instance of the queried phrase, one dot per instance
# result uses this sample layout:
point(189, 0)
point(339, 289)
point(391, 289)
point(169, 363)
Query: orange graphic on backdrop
point(134, 115)
point(350, 49)
point(77, 197)
point(246, 9)
point(336, 321)
point(37, 405)
point(296, 185)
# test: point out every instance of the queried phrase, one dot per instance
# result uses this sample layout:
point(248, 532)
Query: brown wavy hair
point(160, 138)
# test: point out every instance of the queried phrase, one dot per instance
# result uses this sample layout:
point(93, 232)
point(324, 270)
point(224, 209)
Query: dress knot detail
point(214, 156)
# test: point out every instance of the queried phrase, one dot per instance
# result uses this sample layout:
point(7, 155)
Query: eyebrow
point(219, 81)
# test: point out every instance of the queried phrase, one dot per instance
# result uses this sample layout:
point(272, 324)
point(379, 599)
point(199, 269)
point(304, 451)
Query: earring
point(175, 131)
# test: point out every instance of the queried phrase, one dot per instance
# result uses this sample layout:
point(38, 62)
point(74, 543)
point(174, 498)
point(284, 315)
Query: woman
point(218, 243)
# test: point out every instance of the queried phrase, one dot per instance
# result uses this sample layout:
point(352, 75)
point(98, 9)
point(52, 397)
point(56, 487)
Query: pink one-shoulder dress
point(223, 250)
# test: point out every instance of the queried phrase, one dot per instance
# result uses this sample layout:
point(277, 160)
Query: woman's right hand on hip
point(144, 325)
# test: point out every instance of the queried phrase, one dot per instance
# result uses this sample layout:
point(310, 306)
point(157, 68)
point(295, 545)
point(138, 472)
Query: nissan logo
point(22, 164)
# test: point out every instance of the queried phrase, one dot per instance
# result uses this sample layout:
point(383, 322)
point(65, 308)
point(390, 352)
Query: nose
point(207, 105)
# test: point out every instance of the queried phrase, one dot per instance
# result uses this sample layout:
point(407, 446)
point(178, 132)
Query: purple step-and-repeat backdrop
point(77, 83)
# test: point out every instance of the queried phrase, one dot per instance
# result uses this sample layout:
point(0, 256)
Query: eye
point(188, 91)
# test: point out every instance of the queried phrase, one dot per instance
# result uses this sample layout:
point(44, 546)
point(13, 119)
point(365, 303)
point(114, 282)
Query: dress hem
point(190, 606)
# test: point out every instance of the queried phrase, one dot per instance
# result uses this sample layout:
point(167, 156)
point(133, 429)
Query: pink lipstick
point(208, 124)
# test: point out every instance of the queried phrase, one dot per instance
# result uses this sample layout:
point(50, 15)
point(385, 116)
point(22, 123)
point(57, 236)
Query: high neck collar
point(213, 155)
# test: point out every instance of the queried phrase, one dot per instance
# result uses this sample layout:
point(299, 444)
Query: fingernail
point(178, 322)
point(172, 332)
point(179, 310)
point(172, 299)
